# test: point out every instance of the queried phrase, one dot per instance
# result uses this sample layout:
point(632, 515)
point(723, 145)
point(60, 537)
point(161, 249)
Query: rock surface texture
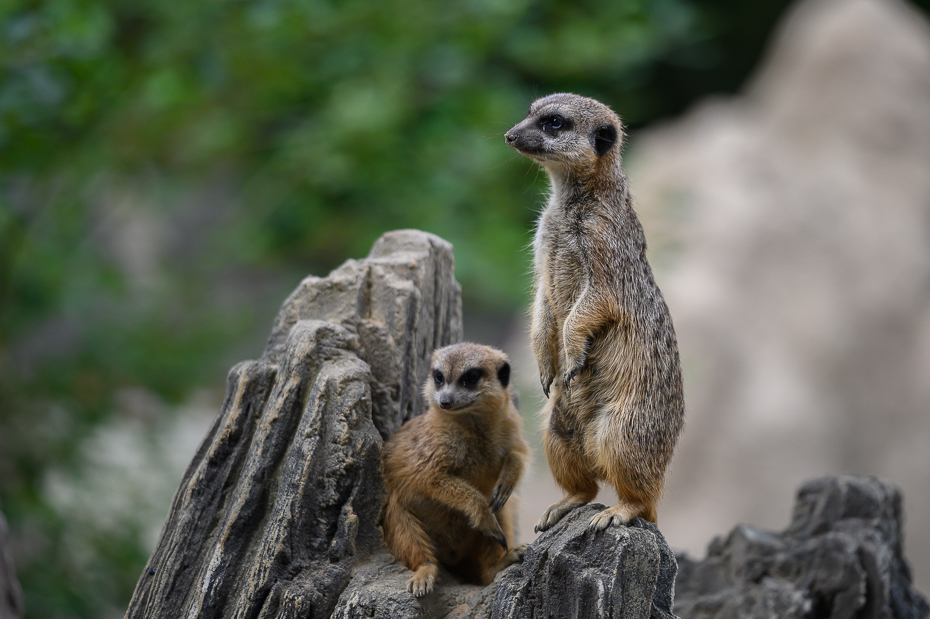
point(285, 492)
point(573, 572)
point(569, 572)
point(277, 514)
point(841, 557)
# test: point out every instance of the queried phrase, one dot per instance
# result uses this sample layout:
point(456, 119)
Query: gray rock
point(568, 572)
point(402, 302)
point(278, 513)
point(378, 590)
point(840, 557)
point(572, 572)
point(285, 493)
point(282, 493)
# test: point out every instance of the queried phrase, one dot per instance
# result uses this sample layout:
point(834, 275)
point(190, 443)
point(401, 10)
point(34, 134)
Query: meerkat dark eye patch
point(471, 377)
point(554, 123)
point(603, 139)
point(503, 374)
point(438, 377)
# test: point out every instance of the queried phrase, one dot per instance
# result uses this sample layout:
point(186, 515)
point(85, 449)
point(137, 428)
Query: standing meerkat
point(601, 331)
point(450, 471)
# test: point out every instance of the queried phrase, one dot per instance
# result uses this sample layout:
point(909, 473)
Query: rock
point(11, 596)
point(378, 590)
point(572, 572)
point(791, 226)
point(278, 513)
point(841, 557)
point(402, 302)
point(568, 572)
point(284, 494)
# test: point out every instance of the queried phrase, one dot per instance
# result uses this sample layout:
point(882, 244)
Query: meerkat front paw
point(569, 376)
point(422, 581)
point(574, 356)
point(574, 367)
point(493, 530)
point(502, 493)
point(545, 380)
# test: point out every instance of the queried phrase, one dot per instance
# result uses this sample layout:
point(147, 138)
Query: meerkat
point(601, 331)
point(450, 472)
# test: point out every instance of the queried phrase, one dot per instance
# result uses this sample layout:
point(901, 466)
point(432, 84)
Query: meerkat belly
point(564, 286)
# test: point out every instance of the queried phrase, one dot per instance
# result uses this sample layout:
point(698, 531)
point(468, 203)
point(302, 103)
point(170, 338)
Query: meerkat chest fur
point(472, 446)
point(578, 235)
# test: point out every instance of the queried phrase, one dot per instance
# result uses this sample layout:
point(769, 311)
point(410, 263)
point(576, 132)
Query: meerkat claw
point(420, 585)
point(497, 503)
point(502, 541)
point(571, 374)
point(546, 382)
point(500, 498)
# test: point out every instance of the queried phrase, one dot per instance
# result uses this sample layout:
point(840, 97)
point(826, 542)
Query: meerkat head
point(467, 376)
point(569, 135)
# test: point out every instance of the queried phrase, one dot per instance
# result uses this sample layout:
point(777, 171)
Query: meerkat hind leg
point(514, 555)
point(559, 509)
point(423, 579)
point(570, 470)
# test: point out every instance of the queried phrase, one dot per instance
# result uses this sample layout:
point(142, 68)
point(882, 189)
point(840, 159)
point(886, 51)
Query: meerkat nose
point(445, 402)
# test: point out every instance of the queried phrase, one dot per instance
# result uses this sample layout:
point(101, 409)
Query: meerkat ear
point(503, 374)
point(603, 139)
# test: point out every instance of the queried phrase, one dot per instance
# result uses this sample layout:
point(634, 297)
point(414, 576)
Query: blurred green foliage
point(169, 170)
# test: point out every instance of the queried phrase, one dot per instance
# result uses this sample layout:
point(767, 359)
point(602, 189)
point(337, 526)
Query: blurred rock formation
point(841, 556)
point(790, 231)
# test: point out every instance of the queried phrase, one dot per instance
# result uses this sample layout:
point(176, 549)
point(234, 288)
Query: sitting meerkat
point(601, 331)
point(450, 471)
